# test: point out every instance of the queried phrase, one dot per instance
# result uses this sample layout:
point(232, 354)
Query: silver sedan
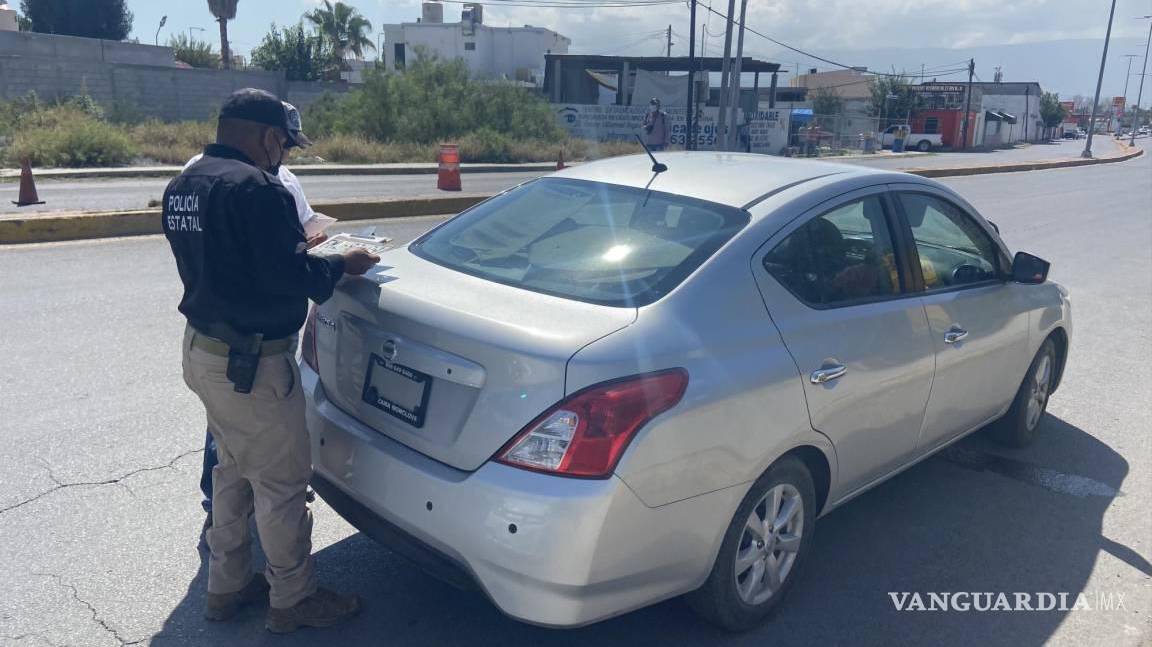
point(622, 383)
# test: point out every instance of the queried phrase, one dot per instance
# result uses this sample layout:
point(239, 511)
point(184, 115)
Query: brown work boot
point(323, 608)
point(223, 606)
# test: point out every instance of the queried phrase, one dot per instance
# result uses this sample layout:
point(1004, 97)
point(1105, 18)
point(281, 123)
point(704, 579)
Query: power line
point(800, 51)
point(569, 4)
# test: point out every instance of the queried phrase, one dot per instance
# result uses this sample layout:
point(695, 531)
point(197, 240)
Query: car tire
point(1020, 426)
point(924, 146)
point(739, 593)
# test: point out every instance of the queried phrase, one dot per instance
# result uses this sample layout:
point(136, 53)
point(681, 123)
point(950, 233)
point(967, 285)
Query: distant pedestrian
point(657, 132)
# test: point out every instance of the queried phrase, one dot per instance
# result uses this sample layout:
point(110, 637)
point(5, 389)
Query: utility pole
point(689, 134)
point(1128, 75)
point(1099, 81)
point(669, 54)
point(968, 104)
point(736, 78)
point(1140, 93)
point(721, 120)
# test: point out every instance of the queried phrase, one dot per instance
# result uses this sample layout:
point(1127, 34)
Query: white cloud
point(821, 25)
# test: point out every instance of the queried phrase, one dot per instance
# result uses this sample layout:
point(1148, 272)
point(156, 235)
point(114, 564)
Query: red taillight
point(308, 340)
point(586, 434)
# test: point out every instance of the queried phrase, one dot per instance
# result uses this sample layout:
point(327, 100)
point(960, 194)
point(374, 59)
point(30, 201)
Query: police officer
point(247, 276)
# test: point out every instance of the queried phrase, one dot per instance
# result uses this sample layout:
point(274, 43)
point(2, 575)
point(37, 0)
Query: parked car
point(922, 142)
point(1073, 133)
point(612, 386)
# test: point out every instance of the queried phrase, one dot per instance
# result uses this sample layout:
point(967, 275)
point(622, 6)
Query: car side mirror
point(1027, 268)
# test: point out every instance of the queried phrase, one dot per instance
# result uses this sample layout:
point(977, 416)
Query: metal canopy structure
point(566, 77)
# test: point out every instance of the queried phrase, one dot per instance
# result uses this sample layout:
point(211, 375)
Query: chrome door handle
point(828, 373)
point(955, 335)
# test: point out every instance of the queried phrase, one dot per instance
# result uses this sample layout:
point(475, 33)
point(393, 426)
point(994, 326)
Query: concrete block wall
point(18, 43)
point(142, 78)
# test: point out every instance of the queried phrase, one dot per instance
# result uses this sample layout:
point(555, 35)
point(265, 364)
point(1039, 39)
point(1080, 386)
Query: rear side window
point(954, 250)
point(841, 257)
point(589, 241)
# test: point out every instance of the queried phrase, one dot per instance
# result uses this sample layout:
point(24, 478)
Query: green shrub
point(81, 142)
point(486, 145)
point(433, 101)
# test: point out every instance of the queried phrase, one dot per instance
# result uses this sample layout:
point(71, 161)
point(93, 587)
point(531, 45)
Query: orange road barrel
point(449, 176)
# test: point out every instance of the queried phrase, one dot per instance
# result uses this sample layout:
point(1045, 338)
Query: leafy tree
point(197, 53)
point(22, 23)
point(223, 11)
point(302, 57)
point(343, 27)
point(1052, 113)
point(827, 101)
point(107, 19)
point(891, 98)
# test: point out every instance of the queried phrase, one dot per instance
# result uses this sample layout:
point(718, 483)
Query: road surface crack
point(91, 609)
point(113, 481)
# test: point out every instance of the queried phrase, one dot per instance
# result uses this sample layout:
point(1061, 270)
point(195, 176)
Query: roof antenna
point(657, 167)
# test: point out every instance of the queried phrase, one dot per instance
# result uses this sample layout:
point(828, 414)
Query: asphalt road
point(109, 195)
point(99, 509)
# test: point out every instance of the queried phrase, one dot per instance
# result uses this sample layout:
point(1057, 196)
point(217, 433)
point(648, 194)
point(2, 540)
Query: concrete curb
point(1026, 166)
point(51, 227)
point(301, 170)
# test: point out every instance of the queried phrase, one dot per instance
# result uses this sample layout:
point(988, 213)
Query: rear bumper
point(547, 550)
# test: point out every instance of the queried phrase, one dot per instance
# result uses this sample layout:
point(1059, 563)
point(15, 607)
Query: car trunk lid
point(446, 363)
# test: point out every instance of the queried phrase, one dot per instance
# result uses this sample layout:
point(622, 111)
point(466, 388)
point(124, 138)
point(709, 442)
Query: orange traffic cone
point(449, 175)
point(560, 166)
point(27, 186)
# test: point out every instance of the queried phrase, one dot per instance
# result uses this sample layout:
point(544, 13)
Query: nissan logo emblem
point(389, 349)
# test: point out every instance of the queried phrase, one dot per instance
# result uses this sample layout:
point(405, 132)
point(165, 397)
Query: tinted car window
point(954, 250)
point(842, 256)
point(588, 241)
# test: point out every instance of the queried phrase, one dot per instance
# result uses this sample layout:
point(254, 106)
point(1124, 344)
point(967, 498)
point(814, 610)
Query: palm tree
point(343, 27)
point(223, 11)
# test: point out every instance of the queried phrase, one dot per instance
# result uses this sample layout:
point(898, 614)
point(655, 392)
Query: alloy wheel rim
point(769, 544)
point(1038, 392)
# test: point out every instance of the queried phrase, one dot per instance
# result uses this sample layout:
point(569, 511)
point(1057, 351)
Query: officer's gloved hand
point(358, 261)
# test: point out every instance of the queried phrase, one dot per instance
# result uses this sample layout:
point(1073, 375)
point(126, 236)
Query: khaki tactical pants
point(265, 464)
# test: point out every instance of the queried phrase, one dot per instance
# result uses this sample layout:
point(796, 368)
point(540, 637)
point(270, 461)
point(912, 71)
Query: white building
point(515, 53)
point(1009, 113)
point(7, 17)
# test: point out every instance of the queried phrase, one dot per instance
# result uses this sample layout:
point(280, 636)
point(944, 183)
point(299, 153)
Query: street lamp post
point(1140, 93)
point(1099, 81)
point(163, 20)
point(190, 33)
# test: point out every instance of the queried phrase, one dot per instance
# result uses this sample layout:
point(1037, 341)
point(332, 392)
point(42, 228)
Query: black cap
point(296, 136)
point(263, 107)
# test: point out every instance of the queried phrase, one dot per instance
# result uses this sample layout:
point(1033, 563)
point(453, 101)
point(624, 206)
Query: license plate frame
point(413, 416)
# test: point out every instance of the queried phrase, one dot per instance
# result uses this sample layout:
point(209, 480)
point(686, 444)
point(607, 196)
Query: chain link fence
point(824, 135)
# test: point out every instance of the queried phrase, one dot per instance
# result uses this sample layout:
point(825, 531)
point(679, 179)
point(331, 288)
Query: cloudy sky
point(877, 33)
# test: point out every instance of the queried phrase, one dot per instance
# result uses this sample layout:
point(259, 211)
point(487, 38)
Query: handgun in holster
point(243, 355)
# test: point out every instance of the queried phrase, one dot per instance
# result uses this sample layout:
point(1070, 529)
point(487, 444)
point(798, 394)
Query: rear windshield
point(589, 241)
